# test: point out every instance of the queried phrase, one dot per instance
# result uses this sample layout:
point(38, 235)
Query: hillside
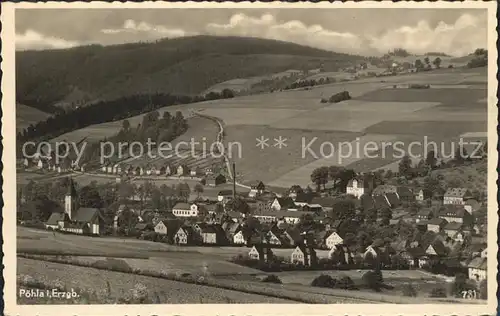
point(186, 66)
point(26, 115)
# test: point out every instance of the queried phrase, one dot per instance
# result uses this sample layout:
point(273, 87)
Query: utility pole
point(234, 181)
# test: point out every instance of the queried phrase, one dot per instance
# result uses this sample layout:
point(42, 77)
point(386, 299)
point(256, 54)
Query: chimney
point(234, 181)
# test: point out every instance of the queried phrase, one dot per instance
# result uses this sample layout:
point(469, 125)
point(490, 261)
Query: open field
point(168, 292)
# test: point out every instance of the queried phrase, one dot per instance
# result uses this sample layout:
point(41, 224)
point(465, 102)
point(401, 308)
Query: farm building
point(422, 195)
point(424, 214)
point(456, 213)
point(256, 189)
point(333, 239)
point(477, 269)
point(436, 224)
point(225, 196)
point(282, 204)
point(185, 235)
point(358, 187)
point(239, 238)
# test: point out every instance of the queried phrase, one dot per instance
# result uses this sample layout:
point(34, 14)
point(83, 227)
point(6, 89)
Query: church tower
point(70, 200)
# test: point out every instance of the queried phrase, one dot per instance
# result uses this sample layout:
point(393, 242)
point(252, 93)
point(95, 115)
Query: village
point(368, 226)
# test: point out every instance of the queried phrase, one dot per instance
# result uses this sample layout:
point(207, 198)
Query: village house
point(422, 195)
point(405, 194)
point(144, 227)
point(211, 234)
point(83, 221)
point(187, 210)
point(239, 238)
point(168, 170)
point(456, 213)
point(452, 228)
point(185, 235)
point(436, 249)
point(340, 254)
point(384, 189)
point(436, 224)
point(326, 203)
point(304, 255)
point(333, 240)
point(477, 268)
point(213, 180)
point(282, 204)
point(256, 189)
point(357, 187)
point(182, 170)
point(272, 236)
point(261, 253)
point(424, 214)
point(231, 228)
point(167, 228)
point(302, 199)
point(456, 196)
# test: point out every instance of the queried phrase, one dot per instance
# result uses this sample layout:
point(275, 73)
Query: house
point(185, 235)
point(384, 189)
point(261, 253)
point(193, 172)
point(436, 224)
point(231, 228)
point(456, 196)
point(292, 237)
point(187, 210)
point(452, 228)
point(456, 213)
point(273, 236)
point(358, 187)
point(225, 196)
point(213, 180)
point(477, 269)
point(211, 234)
point(182, 170)
point(424, 214)
point(83, 221)
point(56, 220)
point(144, 227)
point(304, 255)
point(256, 189)
point(405, 194)
point(422, 195)
point(436, 249)
point(282, 204)
point(302, 199)
point(333, 240)
point(239, 238)
point(326, 203)
point(168, 170)
point(168, 228)
point(259, 206)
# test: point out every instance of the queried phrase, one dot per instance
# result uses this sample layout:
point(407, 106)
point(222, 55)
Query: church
point(82, 221)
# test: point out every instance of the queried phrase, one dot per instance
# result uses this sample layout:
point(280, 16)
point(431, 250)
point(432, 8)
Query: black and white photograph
point(218, 153)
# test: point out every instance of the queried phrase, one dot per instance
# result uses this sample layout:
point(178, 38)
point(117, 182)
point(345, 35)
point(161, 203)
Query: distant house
point(333, 240)
point(436, 224)
point(424, 214)
point(452, 228)
point(341, 254)
point(185, 235)
point(282, 204)
point(477, 269)
point(302, 199)
point(182, 170)
point(144, 227)
point(188, 210)
point(261, 253)
point(168, 170)
point(213, 180)
point(239, 238)
point(456, 213)
point(456, 196)
point(56, 220)
point(273, 237)
point(326, 203)
point(436, 249)
point(167, 228)
point(304, 255)
point(256, 189)
point(211, 234)
point(231, 228)
point(422, 195)
point(358, 187)
point(384, 189)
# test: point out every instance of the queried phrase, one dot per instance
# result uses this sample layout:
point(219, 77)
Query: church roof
point(85, 214)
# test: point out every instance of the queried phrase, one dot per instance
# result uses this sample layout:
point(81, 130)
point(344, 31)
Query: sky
point(456, 32)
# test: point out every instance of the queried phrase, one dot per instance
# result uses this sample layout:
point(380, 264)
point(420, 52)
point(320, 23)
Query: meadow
point(26, 115)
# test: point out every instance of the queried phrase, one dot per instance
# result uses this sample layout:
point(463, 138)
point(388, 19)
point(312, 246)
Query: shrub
point(112, 264)
point(323, 100)
point(373, 280)
point(272, 279)
point(345, 283)
point(438, 292)
point(338, 97)
point(324, 281)
point(409, 290)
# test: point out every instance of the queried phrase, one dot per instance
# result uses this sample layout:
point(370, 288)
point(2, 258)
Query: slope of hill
point(182, 66)
point(26, 115)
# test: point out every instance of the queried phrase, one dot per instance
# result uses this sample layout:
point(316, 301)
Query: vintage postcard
point(261, 158)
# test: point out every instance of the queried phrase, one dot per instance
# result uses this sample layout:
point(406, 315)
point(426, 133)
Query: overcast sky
point(359, 31)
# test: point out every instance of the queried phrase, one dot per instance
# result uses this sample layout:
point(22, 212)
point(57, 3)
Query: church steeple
point(70, 199)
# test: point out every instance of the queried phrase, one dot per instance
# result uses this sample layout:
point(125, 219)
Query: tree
point(89, 197)
point(427, 60)
point(198, 188)
point(319, 177)
point(405, 166)
point(344, 209)
point(385, 215)
point(227, 93)
point(418, 64)
point(431, 159)
point(238, 205)
point(125, 125)
point(437, 62)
